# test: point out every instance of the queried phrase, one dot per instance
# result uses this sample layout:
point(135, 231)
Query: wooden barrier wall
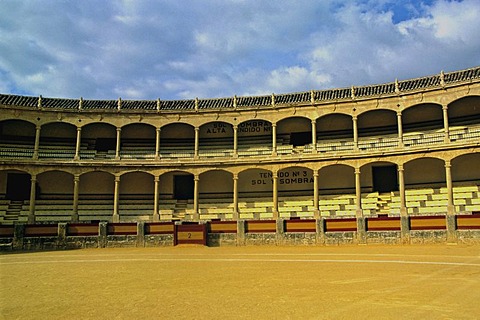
point(383, 224)
point(428, 223)
point(300, 225)
point(6, 231)
point(222, 227)
point(159, 228)
point(41, 230)
point(466, 222)
point(260, 226)
point(340, 225)
point(82, 229)
point(122, 229)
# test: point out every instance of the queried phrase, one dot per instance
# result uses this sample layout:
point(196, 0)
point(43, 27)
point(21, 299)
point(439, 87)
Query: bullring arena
point(304, 197)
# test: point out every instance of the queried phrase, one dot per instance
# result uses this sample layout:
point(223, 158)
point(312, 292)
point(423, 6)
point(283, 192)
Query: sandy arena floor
point(350, 282)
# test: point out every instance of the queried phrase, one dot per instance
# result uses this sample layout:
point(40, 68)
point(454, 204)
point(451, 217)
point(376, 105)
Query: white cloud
point(184, 49)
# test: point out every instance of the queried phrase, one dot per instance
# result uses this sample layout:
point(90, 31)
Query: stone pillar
point(445, 124)
point(275, 194)
point(197, 140)
point(405, 229)
point(156, 215)
point(320, 230)
point(117, 148)
point(280, 232)
point(361, 230)
point(62, 235)
point(37, 142)
point(141, 234)
point(77, 144)
point(18, 234)
point(116, 195)
point(235, 140)
point(157, 143)
point(196, 212)
point(102, 234)
point(31, 211)
point(274, 139)
point(235, 196)
point(314, 135)
point(448, 178)
point(240, 232)
point(316, 210)
point(450, 217)
point(400, 129)
point(355, 132)
point(401, 188)
point(358, 193)
point(76, 187)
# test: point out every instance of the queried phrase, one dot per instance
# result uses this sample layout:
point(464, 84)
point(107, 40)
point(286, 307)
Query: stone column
point(448, 178)
point(314, 135)
point(116, 195)
point(77, 144)
point(445, 124)
point(401, 188)
point(274, 139)
point(404, 225)
point(156, 215)
point(400, 129)
point(240, 232)
point(316, 210)
point(280, 232)
point(157, 143)
point(320, 230)
point(275, 194)
point(358, 193)
point(141, 234)
point(235, 196)
point(33, 191)
point(197, 140)
point(355, 132)
point(76, 187)
point(450, 218)
point(37, 142)
point(117, 148)
point(196, 213)
point(235, 140)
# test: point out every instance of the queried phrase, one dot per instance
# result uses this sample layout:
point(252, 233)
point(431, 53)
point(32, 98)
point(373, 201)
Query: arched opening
point(57, 140)
point(177, 140)
point(215, 139)
point(335, 126)
point(136, 196)
point(96, 193)
point(377, 123)
point(422, 117)
point(255, 191)
point(464, 111)
point(466, 183)
point(17, 139)
point(337, 190)
point(254, 137)
point(216, 194)
point(138, 141)
point(295, 192)
point(101, 138)
point(295, 131)
point(380, 176)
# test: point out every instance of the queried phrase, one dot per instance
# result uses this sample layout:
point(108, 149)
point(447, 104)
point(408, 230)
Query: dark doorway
point(183, 187)
point(18, 186)
point(300, 138)
point(385, 178)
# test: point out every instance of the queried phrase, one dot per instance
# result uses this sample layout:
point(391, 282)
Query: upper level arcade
point(441, 111)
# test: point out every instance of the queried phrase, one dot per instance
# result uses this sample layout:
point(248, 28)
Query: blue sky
point(218, 48)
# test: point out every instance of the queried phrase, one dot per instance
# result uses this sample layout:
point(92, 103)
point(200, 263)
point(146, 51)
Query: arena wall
point(404, 153)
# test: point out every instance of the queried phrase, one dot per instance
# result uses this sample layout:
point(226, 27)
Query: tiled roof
point(245, 102)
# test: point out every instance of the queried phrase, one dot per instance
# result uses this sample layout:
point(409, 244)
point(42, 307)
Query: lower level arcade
point(404, 185)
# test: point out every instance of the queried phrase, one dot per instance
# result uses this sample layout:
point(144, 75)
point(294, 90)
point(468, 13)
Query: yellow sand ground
point(348, 282)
